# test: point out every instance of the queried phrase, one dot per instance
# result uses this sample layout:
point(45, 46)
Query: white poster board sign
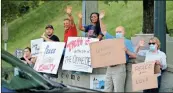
point(35, 46)
point(97, 82)
point(49, 57)
point(77, 55)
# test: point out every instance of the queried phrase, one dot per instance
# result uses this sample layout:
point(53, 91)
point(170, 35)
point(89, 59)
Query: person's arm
point(103, 30)
point(27, 60)
point(45, 38)
point(68, 11)
point(80, 22)
point(141, 52)
point(129, 49)
point(163, 63)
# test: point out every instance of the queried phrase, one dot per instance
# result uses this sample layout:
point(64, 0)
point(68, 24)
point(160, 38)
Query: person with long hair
point(93, 30)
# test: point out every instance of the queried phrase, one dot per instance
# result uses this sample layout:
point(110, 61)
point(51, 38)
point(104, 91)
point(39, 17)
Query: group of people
point(116, 74)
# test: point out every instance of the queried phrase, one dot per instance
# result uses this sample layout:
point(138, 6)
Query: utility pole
point(5, 35)
point(160, 22)
point(87, 8)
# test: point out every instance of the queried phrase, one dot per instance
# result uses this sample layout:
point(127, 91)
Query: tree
point(148, 16)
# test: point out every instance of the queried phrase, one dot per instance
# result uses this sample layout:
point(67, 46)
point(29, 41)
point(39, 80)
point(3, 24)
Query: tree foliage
point(14, 9)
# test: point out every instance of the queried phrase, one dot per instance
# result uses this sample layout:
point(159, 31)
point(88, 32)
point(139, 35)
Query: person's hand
point(102, 14)
point(157, 62)
point(103, 29)
point(68, 10)
point(80, 15)
point(141, 43)
point(43, 35)
point(125, 49)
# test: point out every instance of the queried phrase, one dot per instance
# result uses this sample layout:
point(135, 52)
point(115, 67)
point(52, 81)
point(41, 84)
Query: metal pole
point(5, 35)
point(83, 15)
point(160, 22)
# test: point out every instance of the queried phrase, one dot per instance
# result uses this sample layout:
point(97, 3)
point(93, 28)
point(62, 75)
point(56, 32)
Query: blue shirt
point(90, 31)
point(127, 42)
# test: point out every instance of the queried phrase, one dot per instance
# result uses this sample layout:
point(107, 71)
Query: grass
point(32, 25)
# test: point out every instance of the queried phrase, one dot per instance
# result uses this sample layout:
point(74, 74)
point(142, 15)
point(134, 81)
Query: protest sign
point(144, 82)
point(143, 76)
point(49, 57)
point(77, 54)
point(35, 46)
point(107, 52)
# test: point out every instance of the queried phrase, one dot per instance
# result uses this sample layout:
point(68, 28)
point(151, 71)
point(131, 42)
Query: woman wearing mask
point(153, 54)
point(93, 30)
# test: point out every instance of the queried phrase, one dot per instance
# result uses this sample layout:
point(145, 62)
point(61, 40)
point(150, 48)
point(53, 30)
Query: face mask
point(119, 35)
point(152, 47)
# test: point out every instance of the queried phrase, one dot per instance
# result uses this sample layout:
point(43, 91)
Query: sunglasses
point(152, 43)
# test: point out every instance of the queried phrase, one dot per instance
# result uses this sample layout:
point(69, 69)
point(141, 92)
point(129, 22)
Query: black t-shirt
point(22, 58)
point(54, 38)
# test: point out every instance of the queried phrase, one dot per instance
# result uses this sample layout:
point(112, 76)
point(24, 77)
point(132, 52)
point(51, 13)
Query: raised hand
point(43, 35)
point(68, 10)
point(141, 43)
point(79, 15)
point(102, 14)
point(103, 28)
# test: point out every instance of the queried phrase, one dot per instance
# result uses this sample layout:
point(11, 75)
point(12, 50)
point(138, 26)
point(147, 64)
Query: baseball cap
point(49, 26)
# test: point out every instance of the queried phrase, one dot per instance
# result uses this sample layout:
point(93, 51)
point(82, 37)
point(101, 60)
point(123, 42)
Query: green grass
point(32, 25)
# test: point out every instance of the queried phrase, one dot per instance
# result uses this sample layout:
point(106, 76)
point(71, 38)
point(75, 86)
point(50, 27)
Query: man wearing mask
point(116, 74)
point(48, 34)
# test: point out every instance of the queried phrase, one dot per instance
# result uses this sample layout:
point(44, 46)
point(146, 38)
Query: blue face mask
point(152, 47)
point(119, 35)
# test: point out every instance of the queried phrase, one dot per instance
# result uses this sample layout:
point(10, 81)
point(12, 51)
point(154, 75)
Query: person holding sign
point(69, 25)
point(48, 34)
point(116, 75)
point(93, 30)
point(153, 54)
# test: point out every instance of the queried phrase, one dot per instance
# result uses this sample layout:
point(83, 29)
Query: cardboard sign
point(144, 76)
point(49, 57)
point(35, 46)
point(77, 54)
point(143, 68)
point(107, 52)
point(144, 82)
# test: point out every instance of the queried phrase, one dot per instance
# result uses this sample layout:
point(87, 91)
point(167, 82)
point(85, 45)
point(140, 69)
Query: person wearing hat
point(48, 34)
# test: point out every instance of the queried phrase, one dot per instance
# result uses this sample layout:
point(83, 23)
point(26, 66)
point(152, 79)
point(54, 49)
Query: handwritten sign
point(35, 46)
point(143, 76)
point(107, 53)
point(144, 82)
point(49, 58)
point(143, 68)
point(77, 54)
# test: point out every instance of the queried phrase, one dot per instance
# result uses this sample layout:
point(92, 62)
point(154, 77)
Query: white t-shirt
point(149, 56)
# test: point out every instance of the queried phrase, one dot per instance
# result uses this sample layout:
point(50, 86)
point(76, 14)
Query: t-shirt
point(71, 32)
point(22, 58)
point(54, 38)
point(90, 31)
